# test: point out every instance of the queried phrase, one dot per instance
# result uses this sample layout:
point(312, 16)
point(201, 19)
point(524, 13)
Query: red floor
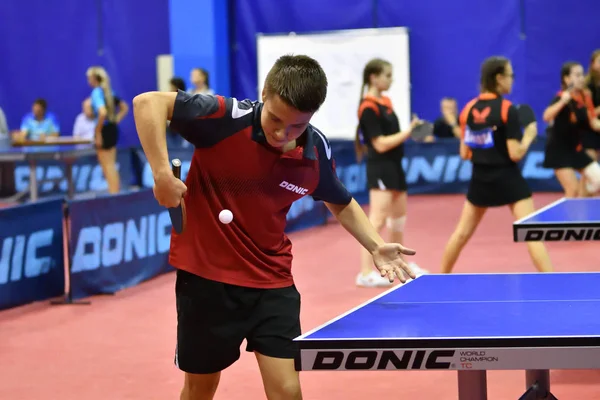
point(121, 347)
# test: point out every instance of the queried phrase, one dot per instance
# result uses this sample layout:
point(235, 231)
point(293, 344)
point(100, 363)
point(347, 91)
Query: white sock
point(592, 175)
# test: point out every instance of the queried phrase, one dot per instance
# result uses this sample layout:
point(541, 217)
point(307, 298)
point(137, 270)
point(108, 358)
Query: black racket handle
point(176, 165)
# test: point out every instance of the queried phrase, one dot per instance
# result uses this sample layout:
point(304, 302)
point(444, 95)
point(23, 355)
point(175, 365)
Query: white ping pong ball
point(225, 216)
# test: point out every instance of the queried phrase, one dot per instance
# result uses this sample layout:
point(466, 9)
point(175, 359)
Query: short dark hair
point(492, 67)
point(178, 83)
point(299, 81)
point(42, 103)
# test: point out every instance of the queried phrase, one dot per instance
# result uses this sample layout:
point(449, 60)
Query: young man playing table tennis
point(234, 280)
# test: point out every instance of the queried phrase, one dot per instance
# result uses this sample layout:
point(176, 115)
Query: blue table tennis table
point(469, 323)
point(67, 153)
point(563, 220)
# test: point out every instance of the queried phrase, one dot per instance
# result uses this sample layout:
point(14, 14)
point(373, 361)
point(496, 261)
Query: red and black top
point(234, 168)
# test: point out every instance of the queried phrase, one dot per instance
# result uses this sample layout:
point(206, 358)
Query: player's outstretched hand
point(168, 190)
point(388, 261)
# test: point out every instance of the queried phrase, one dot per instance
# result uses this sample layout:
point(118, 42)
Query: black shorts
point(591, 140)
point(495, 186)
point(213, 319)
point(386, 175)
point(556, 157)
point(110, 135)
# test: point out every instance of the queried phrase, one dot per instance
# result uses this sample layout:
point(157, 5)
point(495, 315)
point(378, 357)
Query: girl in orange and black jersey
point(572, 114)
point(591, 139)
point(383, 149)
point(493, 141)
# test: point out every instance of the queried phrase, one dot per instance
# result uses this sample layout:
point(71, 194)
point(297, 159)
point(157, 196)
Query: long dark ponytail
point(373, 67)
point(490, 69)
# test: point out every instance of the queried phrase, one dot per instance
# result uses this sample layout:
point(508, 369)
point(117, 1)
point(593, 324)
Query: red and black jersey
point(377, 118)
point(572, 121)
point(234, 168)
point(487, 122)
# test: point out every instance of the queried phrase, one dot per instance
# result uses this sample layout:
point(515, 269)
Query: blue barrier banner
point(117, 242)
point(87, 174)
point(436, 168)
point(31, 253)
point(146, 179)
point(306, 213)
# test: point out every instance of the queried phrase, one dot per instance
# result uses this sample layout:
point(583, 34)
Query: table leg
point(33, 184)
point(69, 177)
point(68, 289)
point(538, 385)
point(538, 376)
point(472, 385)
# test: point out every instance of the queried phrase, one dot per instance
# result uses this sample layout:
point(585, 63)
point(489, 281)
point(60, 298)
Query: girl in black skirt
point(591, 139)
point(382, 145)
point(572, 115)
point(109, 111)
point(492, 140)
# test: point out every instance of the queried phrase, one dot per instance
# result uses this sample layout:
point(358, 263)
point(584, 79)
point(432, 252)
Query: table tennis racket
point(177, 214)
point(422, 132)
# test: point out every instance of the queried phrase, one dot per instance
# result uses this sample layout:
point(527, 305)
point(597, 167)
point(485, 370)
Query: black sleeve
point(564, 113)
point(526, 115)
point(370, 124)
point(199, 118)
point(513, 125)
point(330, 189)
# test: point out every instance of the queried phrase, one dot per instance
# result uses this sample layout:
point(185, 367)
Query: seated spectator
point(199, 78)
point(85, 122)
point(39, 123)
point(446, 126)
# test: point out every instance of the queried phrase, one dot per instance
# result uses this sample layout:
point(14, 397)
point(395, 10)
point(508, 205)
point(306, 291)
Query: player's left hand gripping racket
point(177, 213)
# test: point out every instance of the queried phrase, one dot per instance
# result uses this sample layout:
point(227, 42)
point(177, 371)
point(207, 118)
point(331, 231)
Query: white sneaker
point(372, 280)
point(417, 270)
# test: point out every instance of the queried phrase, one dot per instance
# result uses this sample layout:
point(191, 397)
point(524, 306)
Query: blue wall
point(200, 38)
point(448, 41)
point(45, 50)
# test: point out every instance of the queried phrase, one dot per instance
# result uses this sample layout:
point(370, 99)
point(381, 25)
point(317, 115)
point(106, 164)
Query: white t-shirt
point(84, 127)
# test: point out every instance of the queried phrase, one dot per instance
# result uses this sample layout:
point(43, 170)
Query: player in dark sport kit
point(493, 141)
point(591, 139)
point(383, 149)
point(109, 111)
point(234, 281)
point(571, 113)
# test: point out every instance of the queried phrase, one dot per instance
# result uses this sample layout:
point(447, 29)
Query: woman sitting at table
point(37, 124)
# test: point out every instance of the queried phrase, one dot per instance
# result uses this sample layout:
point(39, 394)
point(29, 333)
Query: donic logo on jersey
point(482, 139)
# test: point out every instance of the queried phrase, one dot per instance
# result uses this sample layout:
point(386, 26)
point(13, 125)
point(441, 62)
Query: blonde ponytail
point(104, 82)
